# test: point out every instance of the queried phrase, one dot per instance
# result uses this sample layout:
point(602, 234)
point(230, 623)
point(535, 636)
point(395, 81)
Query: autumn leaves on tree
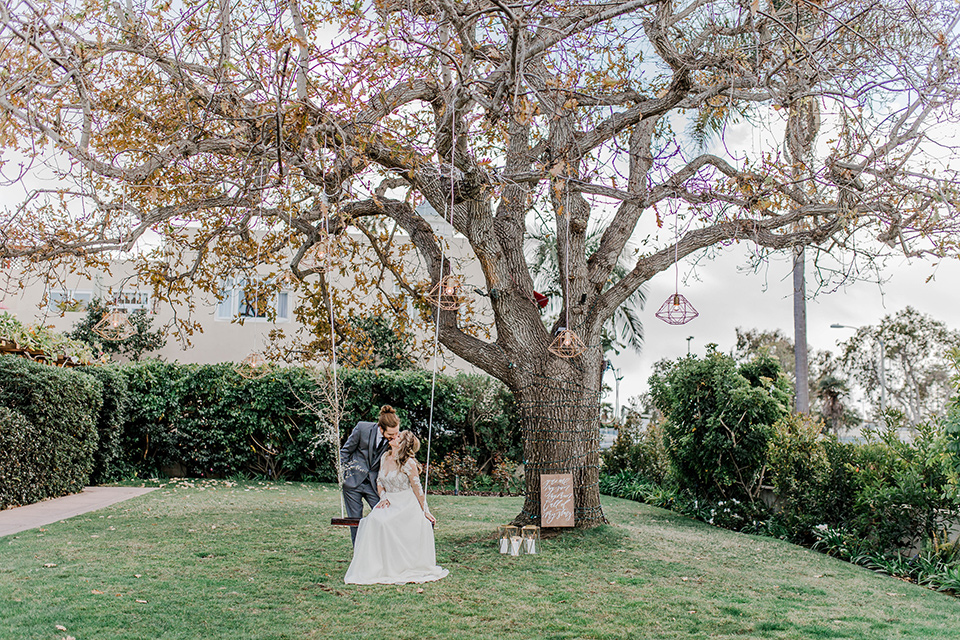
point(214, 139)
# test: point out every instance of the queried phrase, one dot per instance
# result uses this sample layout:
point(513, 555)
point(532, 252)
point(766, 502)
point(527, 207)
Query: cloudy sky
point(728, 297)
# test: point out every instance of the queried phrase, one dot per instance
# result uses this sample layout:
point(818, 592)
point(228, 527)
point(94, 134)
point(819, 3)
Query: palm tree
point(624, 329)
point(831, 392)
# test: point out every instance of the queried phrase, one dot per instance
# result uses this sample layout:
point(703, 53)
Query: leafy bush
point(19, 445)
point(719, 419)
point(204, 420)
point(41, 338)
point(813, 477)
point(457, 468)
point(905, 497)
point(641, 451)
point(134, 347)
point(110, 421)
point(59, 409)
point(207, 420)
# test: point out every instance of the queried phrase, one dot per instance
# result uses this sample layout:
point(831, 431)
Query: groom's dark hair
point(388, 418)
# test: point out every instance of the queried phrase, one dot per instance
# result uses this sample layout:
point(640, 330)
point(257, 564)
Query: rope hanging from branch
point(676, 309)
point(567, 344)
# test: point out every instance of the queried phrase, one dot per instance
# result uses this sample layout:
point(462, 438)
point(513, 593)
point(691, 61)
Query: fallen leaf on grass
point(420, 590)
point(142, 601)
point(49, 565)
point(137, 575)
point(60, 627)
point(96, 592)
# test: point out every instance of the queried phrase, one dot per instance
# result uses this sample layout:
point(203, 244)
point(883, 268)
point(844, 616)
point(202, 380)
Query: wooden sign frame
point(556, 500)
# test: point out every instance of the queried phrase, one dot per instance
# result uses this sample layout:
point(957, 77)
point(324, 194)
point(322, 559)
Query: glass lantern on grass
point(507, 533)
point(531, 539)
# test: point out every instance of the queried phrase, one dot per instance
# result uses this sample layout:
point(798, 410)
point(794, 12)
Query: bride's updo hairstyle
point(388, 418)
point(409, 445)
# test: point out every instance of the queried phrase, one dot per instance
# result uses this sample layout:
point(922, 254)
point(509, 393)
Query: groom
point(360, 457)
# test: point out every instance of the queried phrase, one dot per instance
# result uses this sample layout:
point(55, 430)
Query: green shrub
point(906, 498)
point(204, 420)
point(19, 445)
point(62, 406)
point(719, 419)
point(641, 451)
point(812, 476)
point(113, 415)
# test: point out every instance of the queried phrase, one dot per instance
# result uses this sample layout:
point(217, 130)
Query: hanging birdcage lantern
point(253, 366)
point(676, 310)
point(447, 294)
point(115, 326)
point(567, 344)
point(318, 257)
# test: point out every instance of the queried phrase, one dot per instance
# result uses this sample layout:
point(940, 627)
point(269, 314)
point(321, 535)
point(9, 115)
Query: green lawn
point(258, 561)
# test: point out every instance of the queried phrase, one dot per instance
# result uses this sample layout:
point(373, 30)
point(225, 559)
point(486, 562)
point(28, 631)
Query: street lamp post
point(688, 344)
point(617, 376)
point(883, 355)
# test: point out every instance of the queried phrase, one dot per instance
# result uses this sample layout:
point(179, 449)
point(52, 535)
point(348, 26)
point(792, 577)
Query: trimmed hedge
point(19, 440)
point(51, 449)
point(113, 415)
point(207, 420)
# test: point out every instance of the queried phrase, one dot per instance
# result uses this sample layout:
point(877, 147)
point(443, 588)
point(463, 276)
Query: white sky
point(727, 298)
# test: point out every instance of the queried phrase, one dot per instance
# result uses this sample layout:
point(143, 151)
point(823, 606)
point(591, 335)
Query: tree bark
point(560, 419)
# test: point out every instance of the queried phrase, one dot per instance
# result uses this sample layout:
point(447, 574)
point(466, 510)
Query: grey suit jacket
point(359, 456)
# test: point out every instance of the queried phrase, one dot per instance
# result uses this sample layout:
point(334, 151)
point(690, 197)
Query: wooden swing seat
point(345, 522)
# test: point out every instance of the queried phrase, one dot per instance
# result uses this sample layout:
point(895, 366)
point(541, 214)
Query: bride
point(395, 541)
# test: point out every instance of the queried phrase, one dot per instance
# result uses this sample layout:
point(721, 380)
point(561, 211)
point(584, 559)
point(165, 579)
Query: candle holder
point(531, 539)
point(506, 534)
point(448, 293)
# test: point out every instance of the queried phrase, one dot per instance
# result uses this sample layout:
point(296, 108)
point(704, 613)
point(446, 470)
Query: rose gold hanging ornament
point(115, 326)
point(677, 310)
point(252, 367)
point(447, 294)
point(567, 344)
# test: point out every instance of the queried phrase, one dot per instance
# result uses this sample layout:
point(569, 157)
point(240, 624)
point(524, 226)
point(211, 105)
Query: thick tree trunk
point(561, 434)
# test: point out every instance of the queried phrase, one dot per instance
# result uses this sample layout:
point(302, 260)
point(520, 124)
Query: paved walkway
point(38, 514)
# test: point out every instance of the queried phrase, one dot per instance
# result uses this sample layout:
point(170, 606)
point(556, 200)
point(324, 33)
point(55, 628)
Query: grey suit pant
point(353, 501)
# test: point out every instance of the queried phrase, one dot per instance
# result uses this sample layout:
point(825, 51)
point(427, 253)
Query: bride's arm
point(411, 469)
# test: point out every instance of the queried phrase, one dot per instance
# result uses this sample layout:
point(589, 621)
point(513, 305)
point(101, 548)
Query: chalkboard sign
point(556, 500)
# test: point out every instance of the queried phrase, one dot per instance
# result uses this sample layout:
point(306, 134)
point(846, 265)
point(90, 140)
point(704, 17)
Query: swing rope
point(436, 324)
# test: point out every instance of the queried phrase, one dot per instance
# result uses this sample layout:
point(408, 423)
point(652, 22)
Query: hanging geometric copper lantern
point(115, 326)
point(319, 257)
point(447, 294)
point(567, 344)
point(253, 366)
point(677, 310)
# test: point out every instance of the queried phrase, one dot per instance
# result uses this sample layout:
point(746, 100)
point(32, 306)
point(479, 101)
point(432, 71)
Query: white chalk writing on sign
point(556, 500)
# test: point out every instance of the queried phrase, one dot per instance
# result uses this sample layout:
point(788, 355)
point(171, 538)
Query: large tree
point(903, 363)
point(242, 132)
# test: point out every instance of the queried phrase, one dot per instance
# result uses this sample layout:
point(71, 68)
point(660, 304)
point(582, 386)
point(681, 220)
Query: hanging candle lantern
point(253, 366)
point(567, 344)
point(447, 294)
point(531, 539)
point(318, 257)
point(114, 326)
point(506, 534)
point(676, 310)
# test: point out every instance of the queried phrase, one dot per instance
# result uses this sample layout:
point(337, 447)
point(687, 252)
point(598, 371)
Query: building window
point(133, 301)
point(68, 300)
point(253, 300)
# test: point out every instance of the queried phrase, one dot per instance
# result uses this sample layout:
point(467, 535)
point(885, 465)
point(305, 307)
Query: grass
point(260, 561)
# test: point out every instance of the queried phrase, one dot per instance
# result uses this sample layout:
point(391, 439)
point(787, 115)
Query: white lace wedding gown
point(395, 544)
